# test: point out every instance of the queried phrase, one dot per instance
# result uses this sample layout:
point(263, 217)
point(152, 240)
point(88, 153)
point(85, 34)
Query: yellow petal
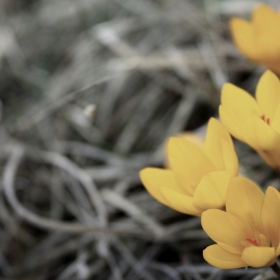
point(225, 229)
point(216, 134)
point(260, 135)
point(268, 93)
point(161, 184)
point(218, 257)
point(230, 158)
point(244, 199)
point(188, 161)
point(270, 216)
point(231, 123)
point(154, 179)
point(263, 17)
point(244, 37)
point(272, 158)
point(211, 191)
point(277, 251)
point(179, 202)
point(278, 248)
point(257, 40)
point(192, 137)
point(239, 102)
point(257, 256)
point(266, 24)
point(275, 122)
point(238, 106)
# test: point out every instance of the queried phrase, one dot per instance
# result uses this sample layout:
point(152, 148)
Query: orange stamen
point(265, 120)
point(253, 241)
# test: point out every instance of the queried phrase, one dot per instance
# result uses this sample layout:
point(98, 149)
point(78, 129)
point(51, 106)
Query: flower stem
point(276, 269)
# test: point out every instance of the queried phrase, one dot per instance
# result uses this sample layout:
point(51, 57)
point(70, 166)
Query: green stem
point(276, 269)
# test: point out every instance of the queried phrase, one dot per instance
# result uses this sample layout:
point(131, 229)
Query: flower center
point(258, 238)
point(253, 241)
point(267, 120)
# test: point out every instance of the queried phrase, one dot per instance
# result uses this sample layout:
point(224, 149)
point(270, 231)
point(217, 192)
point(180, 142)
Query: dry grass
point(90, 90)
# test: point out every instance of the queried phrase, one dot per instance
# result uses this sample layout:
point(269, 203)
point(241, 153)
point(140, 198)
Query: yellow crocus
point(197, 177)
point(247, 234)
point(255, 121)
point(258, 40)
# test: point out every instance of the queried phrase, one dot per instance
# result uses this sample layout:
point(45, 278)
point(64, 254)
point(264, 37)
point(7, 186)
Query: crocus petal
point(268, 93)
point(225, 229)
point(277, 251)
point(161, 184)
point(239, 102)
point(244, 37)
point(265, 19)
point(260, 135)
point(238, 106)
point(263, 16)
point(257, 256)
point(154, 179)
point(275, 122)
point(216, 132)
point(188, 161)
point(218, 257)
point(211, 191)
point(244, 199)
point(271, 157)
point(257, 40)
point(230, 158)
point(270, 216)
point(192, 137)
point(179, 202)
point(231, 123)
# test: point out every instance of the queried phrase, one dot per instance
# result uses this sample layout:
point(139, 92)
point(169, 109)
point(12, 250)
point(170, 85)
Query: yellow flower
point(258, 40)
point(255, 122)
point(248, 233)
point(197, 177)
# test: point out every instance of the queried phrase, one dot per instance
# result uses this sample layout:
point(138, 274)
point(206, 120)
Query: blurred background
point(90, 90)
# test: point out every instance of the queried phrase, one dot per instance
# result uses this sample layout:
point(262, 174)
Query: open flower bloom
point(197, 177)
point(255, 121)
point(248, 233)
point(258, 40)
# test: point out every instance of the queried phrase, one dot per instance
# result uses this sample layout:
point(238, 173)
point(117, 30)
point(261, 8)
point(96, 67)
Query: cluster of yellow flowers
point(202, 180)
